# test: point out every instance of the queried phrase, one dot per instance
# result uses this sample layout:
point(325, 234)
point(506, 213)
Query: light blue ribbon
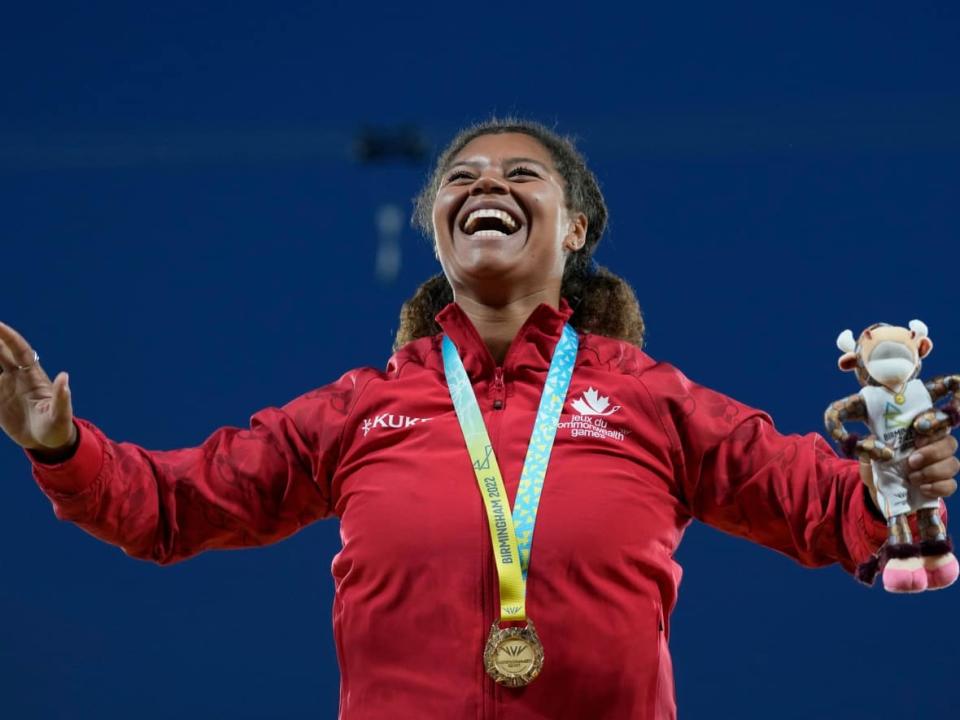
point(544, 429)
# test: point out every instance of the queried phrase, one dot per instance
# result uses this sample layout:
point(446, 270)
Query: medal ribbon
point(511, 534)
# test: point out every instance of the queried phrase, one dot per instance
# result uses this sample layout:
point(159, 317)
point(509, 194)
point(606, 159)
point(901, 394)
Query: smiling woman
point(541, 182)
point(518, 376)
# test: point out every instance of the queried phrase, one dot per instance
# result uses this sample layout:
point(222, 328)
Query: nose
point(488, 184)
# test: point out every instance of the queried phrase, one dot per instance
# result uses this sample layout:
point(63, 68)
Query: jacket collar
point(533, 345)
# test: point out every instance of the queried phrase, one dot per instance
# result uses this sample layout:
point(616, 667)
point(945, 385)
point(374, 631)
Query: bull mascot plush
point(898, 408)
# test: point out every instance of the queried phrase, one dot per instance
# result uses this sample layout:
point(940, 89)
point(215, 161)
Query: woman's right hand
point(37, 414)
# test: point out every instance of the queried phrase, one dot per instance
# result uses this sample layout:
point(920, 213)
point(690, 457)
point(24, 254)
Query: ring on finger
point(36, 360)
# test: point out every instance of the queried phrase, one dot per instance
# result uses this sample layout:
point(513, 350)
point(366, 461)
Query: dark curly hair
point(603, 303)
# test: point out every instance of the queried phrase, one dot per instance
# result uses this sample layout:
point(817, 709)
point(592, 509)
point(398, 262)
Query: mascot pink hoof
point(941, 571)
point(905, 576)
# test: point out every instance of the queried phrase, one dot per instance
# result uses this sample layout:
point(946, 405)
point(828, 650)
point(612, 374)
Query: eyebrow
point(508, 161)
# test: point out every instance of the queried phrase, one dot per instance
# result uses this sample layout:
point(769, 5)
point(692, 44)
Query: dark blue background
point(184, 230)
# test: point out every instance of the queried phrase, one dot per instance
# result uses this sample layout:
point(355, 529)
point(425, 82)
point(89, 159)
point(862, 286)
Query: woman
point(639, 451)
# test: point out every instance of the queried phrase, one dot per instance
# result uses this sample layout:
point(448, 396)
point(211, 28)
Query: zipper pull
point(499, 390)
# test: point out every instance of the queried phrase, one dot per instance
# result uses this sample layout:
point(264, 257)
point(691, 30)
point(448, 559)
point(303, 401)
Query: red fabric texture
point(416, 588)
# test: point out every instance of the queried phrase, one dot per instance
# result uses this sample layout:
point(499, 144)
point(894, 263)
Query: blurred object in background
point(389, 220)
point(403, 143)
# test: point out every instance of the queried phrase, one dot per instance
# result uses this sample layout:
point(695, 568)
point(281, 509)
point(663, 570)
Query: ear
point(847, 362)
point(846, 342)
point(576, 236)
point(924, 347)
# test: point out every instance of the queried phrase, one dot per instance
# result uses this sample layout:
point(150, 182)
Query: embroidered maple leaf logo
point(593, 403)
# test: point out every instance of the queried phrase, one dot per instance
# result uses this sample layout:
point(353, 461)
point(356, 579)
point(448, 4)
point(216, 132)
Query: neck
point(498, 324)
point(896, 387)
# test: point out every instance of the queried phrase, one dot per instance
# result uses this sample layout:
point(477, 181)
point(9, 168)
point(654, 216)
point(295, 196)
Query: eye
point(458, 175)
point(521, 170)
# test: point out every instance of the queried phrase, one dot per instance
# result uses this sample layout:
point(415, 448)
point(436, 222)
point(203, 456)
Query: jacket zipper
point(499, 390)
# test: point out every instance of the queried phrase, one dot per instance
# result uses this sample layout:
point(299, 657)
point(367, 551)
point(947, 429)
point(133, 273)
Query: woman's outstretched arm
point(241, 487)
point(789, 492)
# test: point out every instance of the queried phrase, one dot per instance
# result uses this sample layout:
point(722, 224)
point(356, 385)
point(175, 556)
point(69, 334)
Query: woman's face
point(500, 218)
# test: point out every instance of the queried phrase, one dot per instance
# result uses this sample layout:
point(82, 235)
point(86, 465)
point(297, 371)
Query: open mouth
point(490, 222)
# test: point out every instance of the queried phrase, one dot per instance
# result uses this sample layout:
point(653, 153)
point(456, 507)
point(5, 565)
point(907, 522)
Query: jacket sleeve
point(240, 488)
point(787, 492)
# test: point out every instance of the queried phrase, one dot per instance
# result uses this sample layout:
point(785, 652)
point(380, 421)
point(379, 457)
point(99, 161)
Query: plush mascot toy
point(897, 407)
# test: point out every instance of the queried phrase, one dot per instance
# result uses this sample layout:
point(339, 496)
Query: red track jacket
point(639, 452)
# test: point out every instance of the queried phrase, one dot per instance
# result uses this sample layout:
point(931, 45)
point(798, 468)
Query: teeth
point(504, 217)
point(488, 233)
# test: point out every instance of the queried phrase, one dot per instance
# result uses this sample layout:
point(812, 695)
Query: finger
point(7, 363)
point(941, 470)
point(941, 488)
point(11, 367)
point(62, 396)
point(939, 448)
point(19, 349)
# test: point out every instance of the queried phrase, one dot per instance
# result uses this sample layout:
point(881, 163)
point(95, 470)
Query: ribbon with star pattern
point(512, 533)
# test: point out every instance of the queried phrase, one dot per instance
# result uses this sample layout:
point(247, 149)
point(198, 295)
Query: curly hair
point(602, 302)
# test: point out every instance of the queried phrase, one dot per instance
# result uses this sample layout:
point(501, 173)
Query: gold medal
point(899, 398)
point(513, 656)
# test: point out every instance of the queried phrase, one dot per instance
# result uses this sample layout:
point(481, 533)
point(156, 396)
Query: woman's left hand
point(934, 466)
